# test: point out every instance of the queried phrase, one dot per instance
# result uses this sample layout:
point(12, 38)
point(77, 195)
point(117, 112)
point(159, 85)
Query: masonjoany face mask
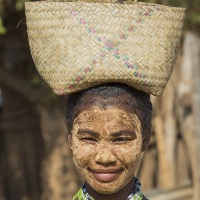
point(107, 147)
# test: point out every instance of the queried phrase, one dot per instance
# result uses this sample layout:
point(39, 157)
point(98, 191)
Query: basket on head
point(77, 45)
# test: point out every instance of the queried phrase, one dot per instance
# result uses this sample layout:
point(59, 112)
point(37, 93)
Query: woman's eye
point(122, 139)
point(90, 139)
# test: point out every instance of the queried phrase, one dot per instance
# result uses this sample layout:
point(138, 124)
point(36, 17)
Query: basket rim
point(136, 4)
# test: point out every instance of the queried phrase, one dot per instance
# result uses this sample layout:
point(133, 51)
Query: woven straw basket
point(77, 45)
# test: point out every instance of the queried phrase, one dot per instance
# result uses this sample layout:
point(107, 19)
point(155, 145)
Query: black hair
point(103, 96)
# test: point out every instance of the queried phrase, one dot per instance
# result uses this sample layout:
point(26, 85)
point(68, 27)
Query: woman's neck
point(122, 194)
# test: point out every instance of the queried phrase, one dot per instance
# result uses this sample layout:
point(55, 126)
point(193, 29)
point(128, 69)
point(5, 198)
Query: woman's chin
point(107, 187)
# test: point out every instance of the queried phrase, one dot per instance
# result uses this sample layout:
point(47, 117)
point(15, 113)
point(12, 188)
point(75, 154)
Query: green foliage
point(3, 30)
point(19, 5)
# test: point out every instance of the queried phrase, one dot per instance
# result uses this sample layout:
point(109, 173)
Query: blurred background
point(35, 160)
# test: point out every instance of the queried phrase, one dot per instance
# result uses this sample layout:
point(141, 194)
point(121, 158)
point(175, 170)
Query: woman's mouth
point(105, 175)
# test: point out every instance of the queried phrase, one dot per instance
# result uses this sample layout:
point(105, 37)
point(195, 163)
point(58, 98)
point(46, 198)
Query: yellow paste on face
point(117, 143)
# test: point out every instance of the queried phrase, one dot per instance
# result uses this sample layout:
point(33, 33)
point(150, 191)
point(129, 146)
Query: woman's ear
point(146, 139)
point(70, 140)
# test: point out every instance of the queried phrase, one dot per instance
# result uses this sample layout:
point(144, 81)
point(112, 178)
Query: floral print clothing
point(135, 195)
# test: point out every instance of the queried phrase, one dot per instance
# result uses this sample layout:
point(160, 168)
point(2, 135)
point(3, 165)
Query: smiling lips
point(105, 175)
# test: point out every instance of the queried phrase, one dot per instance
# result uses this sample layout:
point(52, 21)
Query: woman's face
point(107, 147)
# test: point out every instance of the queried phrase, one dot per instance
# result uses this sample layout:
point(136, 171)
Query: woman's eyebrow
point(81, 131)
point(119, 133)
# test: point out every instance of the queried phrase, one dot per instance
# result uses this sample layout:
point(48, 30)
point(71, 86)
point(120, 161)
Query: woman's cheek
point(128, 154)
point(130, 157)
point(82, 154)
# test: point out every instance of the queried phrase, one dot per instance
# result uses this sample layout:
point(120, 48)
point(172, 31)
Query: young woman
point(109, 128)
point(77, 45)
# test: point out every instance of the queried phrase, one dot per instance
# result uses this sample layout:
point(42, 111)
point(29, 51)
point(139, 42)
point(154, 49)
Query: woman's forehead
point(96, 115)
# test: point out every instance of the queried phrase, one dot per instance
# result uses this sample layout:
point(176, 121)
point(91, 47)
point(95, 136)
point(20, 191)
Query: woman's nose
point(104, 155)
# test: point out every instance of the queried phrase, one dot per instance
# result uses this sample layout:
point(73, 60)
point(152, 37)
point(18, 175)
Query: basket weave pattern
point(76, 45)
